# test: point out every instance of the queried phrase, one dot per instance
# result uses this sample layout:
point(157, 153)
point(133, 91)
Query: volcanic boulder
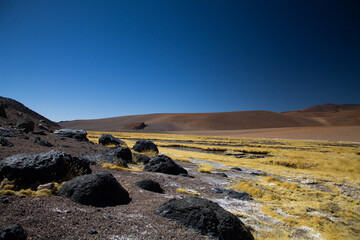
point(5, 143)
point(145, 146)
point(31, 170)
point(120, 156)
point(99, 190)
point(14, 232)
point(206, 217)
point(150, 185)
point(164, 164)
point(26, 124)
point(77, 134)
point(141, 158)
point(107, 139)
point(6, 132)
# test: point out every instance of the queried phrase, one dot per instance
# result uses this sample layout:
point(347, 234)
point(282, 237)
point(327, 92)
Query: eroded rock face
point(77, 134)
point(150, 185)
point(107, 139)
point(164, 164)
point(30, 170)
point(145, 146)
point(206, 217)
point(14, 232)
point(99, 190)
point(26, 124)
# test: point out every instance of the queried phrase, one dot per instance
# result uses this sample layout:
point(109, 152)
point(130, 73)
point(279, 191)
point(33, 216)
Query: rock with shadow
point(77, 134)
point(145, 146)
point(206, 217)
point(164, 164)
point(31, 170)
point(150, 185)
point(107, 139)
point(99, 190)
point(5, 143)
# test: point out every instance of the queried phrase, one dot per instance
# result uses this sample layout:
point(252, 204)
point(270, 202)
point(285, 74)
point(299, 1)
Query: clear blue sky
point(93, 59)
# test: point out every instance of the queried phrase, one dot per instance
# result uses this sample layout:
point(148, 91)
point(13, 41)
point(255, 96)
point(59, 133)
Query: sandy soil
point(343, 133)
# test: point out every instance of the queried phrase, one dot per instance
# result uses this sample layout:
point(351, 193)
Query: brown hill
point(11, 111)
point(322, 115)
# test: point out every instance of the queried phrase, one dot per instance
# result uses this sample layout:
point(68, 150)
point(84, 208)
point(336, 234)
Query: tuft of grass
point(188, 191)
point(118, 168)
point(205, 168)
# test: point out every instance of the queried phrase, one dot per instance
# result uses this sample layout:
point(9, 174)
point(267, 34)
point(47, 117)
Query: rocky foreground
point(101, 203)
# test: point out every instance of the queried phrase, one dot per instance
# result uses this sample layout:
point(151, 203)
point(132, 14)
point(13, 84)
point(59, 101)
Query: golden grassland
point(311, 184)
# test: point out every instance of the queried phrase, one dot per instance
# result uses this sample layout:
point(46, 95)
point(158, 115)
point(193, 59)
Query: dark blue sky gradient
point(94, 59)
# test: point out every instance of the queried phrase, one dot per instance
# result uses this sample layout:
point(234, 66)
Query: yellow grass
point(205, 168)
point(305, 186)
point(118, 168)
point(188, 191)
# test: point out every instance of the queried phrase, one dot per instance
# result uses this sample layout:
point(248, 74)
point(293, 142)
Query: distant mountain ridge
point(321, 115)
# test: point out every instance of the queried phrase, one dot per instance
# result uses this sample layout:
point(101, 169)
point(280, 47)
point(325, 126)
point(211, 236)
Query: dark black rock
point(99, 190)
point(107, 139)
point(14, 232)
point(5, 143)
point(141, 158)
point(206, 217)
point(164, 164)
point(77, 134)
point(26, 124)
point(43, 143)
point(6, 132)
point(39, 133)
point(93, 231)
point(120, 156)
point(234, 194)
point(237, 169)
point(31, 170)
point(145, 146)
point(150, 185)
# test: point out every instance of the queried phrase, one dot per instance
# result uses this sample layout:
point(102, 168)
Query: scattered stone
point(14, 232)
point(234, 194)
point(236, 169)
point(43, 143)
point(39, 133)
point(31, 170)
point(150, 185)
point(107, 139)
point(6, 132)
point(77, 134)
point(222, 175)
point(99, 190)
point(5, 143)
point(164, 164)
point(206, 217)
point(4, 200)
point(141, 158)
point(43, 127)
point(26, 124)
point(93, 231)
point(145, 146)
